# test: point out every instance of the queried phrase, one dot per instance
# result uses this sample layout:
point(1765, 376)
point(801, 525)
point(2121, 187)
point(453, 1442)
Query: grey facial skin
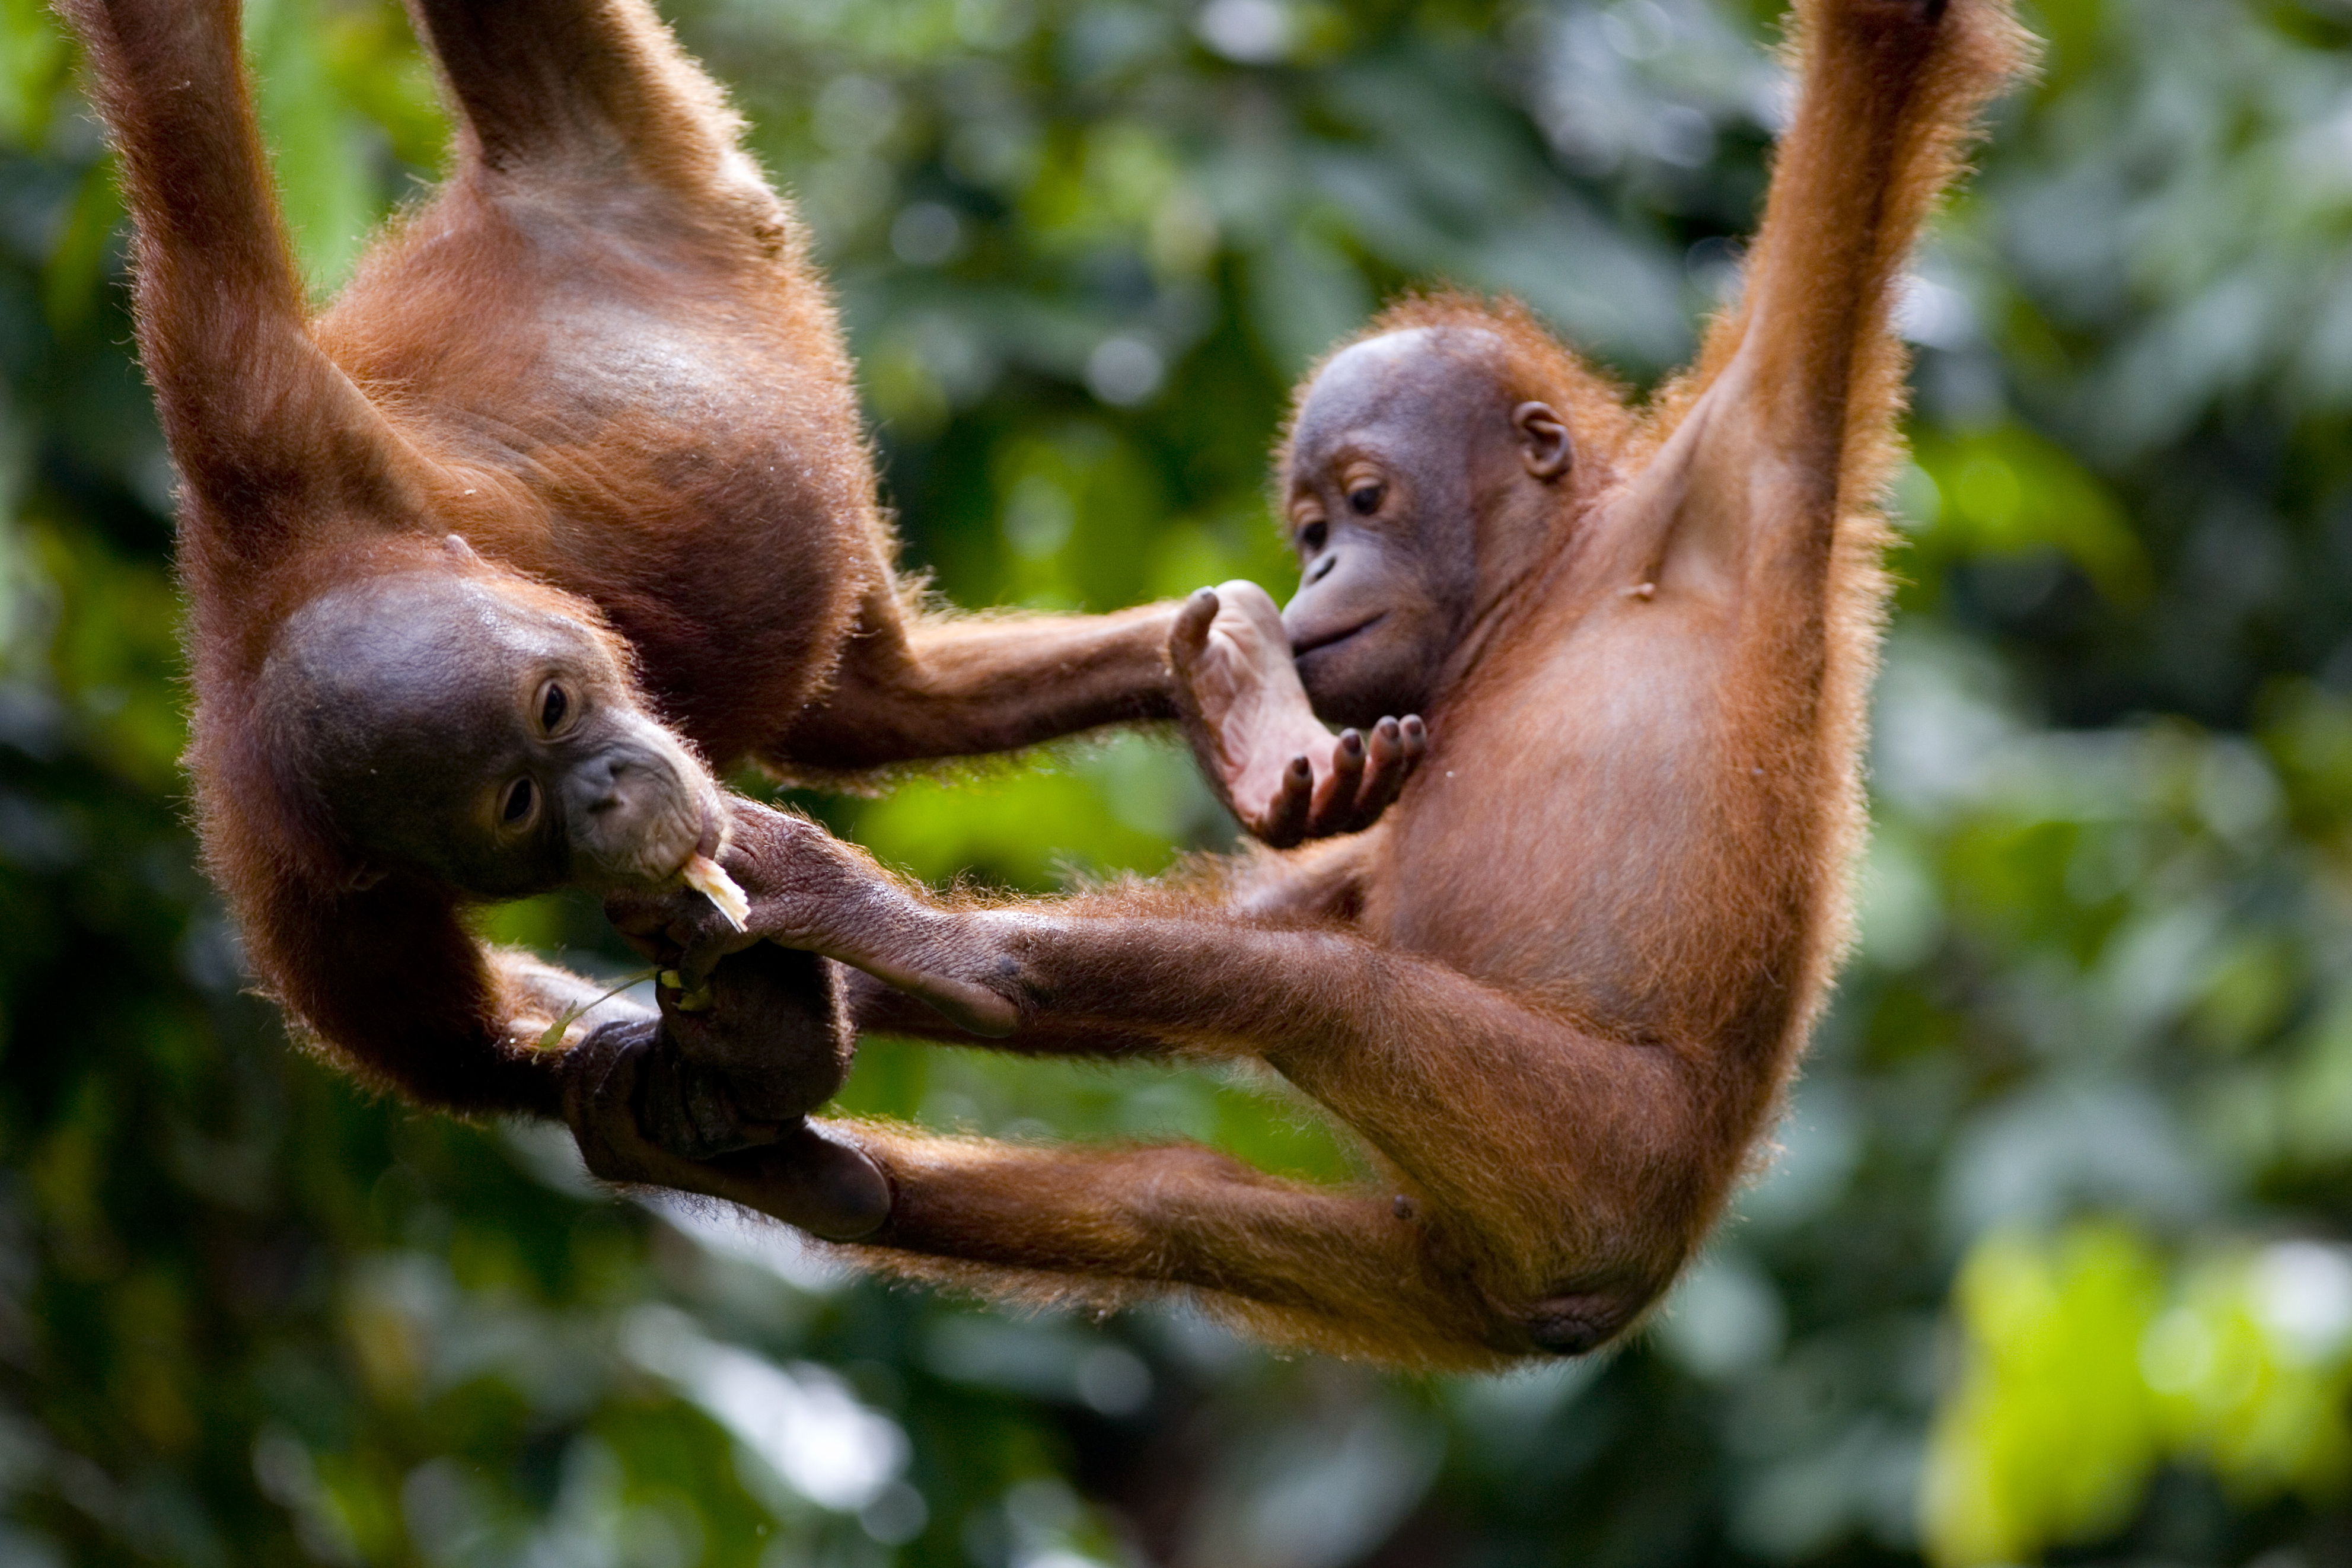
point(1399, 444)
point(492, 746)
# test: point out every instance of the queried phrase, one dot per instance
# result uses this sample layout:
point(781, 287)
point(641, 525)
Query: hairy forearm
point(261, 425)
point(170, 83)
point(952, 687)
point(1888, 96)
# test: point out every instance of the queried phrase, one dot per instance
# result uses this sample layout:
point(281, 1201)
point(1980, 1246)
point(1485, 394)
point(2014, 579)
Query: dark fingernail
point(1351, 741)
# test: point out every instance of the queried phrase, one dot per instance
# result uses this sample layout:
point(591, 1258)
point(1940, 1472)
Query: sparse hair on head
point(1531, 365)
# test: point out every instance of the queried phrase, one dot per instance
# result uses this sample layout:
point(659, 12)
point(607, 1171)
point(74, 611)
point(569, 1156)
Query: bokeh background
point(2052, 1263)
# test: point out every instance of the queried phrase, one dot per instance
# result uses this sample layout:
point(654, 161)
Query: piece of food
point(707, 876)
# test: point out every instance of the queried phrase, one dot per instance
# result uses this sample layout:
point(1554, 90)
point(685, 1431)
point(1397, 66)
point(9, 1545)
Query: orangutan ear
point(1544, 445)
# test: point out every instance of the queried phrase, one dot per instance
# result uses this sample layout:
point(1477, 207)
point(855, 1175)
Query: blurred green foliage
point(2053, 1261)
point(2082, 1378)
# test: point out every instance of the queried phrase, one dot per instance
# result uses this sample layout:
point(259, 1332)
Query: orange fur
point(1558, 990)
point(600, 354)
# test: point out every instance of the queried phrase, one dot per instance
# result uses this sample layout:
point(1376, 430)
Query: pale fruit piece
point(707, 876)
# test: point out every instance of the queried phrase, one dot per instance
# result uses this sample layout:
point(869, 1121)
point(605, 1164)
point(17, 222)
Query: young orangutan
point(1559, 989)
point(564, 499)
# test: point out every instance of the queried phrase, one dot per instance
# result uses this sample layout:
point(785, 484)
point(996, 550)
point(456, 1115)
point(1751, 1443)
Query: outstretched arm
point(550, 85)
point(268, 433)
point(913, 688)
point(1796, 388)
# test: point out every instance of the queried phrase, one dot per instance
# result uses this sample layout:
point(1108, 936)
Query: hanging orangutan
point(1557, 989)
point(563, 503)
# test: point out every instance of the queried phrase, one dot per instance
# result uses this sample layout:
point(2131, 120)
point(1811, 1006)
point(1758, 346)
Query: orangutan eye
point(521, 803)
point(1311, 537)
point(554, 703)
point(1365, 499)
